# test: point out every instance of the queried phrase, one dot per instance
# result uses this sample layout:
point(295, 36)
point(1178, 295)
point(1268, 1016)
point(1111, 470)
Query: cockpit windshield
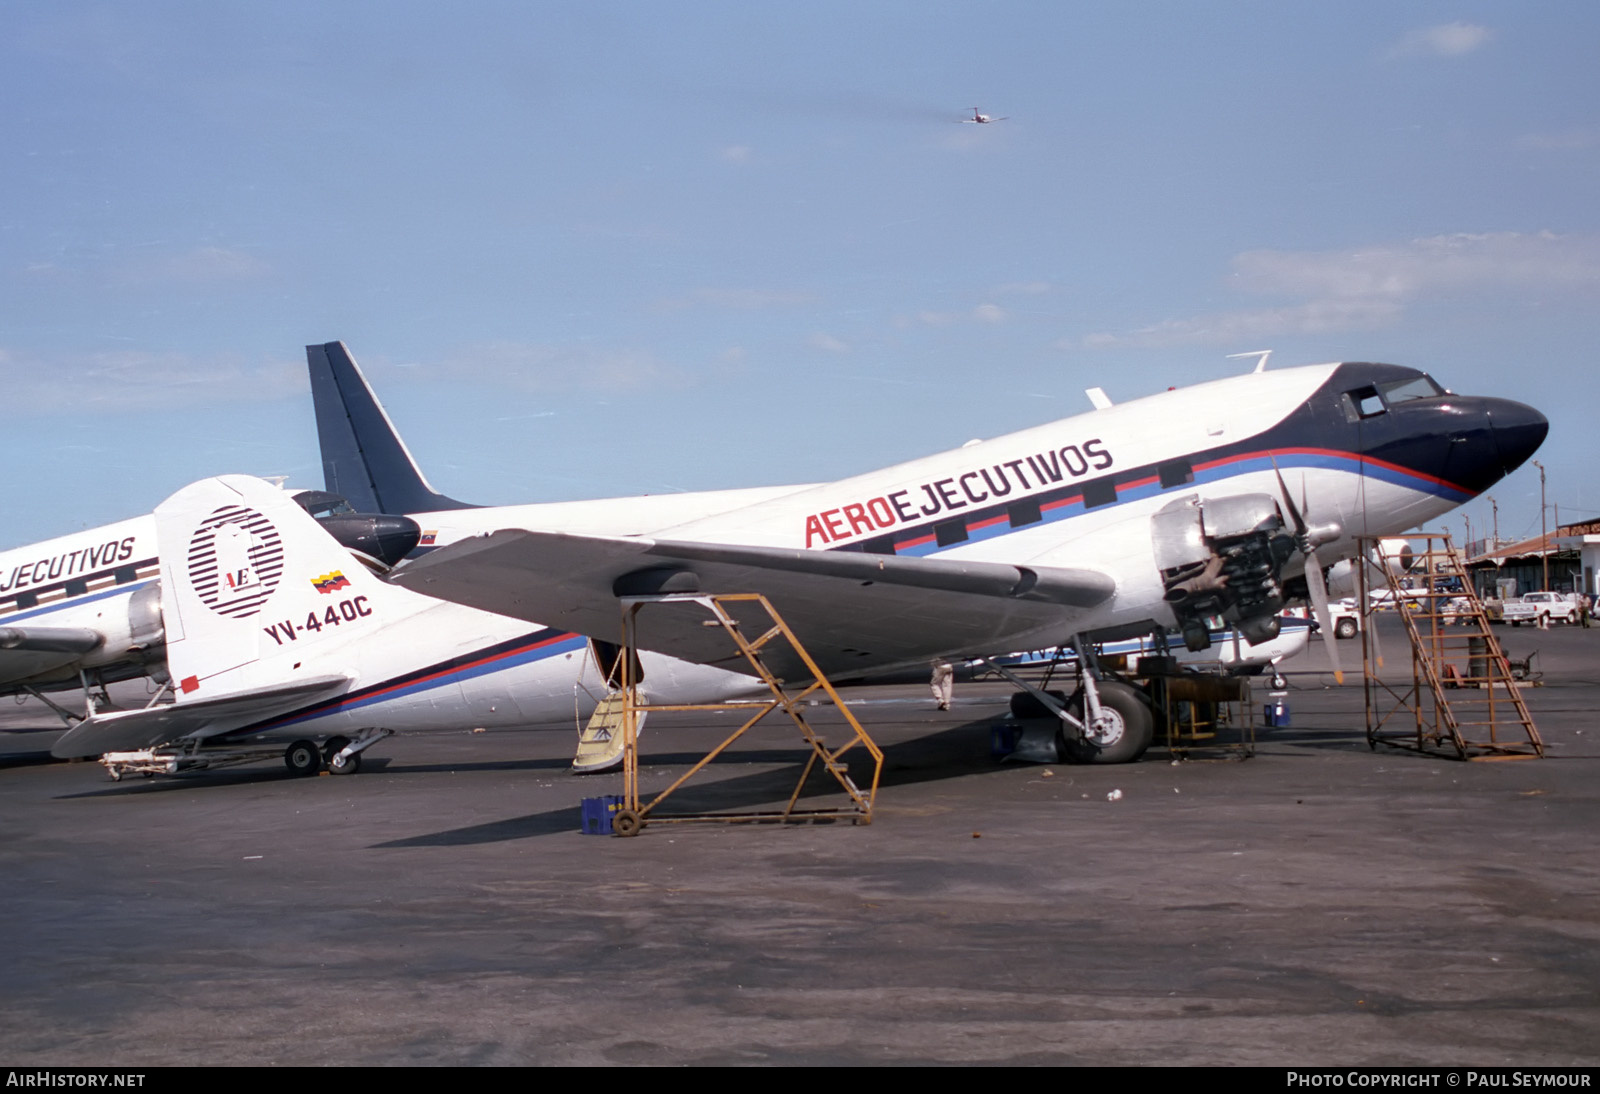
point(1417, 387)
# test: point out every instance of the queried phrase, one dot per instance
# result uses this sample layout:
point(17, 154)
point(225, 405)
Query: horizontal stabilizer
point(115, 731)
point(852, 611)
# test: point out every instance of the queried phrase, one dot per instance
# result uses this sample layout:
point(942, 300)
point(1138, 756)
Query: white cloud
point(202, 264)
point(735, 153)
point(1434, 265)
point(1372, 286)
point(1022, 288)
point(156, 266)
point(1561, 139)
point(118, 380)
point(824, 341)
point(560, 368)
point(1444, 40)
point(736, 299)
point(1226, 328)
point(983, 313)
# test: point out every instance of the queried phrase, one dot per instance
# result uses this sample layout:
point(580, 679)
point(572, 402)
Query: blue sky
point(605, 248)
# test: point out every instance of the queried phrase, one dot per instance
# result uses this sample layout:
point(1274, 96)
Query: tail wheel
point(1126, 727)
point(302, 758)
point(345, 765)
point(349, 765)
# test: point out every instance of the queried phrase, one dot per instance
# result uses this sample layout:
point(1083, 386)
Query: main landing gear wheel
point(626, 823)
point(1345, 628)
point(302, 758)
point(1126, 730)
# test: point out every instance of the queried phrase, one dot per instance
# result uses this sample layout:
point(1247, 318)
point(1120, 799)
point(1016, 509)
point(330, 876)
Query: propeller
point(1307, 539)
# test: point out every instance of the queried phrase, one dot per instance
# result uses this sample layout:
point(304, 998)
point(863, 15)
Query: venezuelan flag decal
point(328, 583)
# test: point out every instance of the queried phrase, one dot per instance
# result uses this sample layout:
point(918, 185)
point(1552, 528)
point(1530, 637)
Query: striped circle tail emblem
point(235, 561)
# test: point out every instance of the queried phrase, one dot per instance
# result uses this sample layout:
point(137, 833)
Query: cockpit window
point(1363, 402)
point(1403, 391)
point(1375, 399)
point(320, 503)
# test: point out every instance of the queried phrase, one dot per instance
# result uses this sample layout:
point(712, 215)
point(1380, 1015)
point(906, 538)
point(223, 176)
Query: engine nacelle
point(1222, 558)
point(1342, 575)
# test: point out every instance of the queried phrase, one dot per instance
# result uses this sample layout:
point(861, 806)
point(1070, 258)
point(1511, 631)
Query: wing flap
point(114, 731)
point(853, 611)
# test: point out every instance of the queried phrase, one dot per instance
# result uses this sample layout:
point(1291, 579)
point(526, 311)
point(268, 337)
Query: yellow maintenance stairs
point(1462, 701)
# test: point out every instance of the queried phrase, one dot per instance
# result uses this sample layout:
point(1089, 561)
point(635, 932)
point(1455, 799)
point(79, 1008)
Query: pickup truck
point(1540, 608)
point(1342, 614)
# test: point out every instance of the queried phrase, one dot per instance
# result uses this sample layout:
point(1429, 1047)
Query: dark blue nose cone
point(1519, 430)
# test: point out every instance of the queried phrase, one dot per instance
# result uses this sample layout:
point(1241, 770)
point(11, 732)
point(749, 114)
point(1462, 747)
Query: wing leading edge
point(854, 612)
point(26, 652)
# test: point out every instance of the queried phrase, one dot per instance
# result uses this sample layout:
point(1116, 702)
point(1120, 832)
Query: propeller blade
point(1315, 585)
point(1319, 606)
point(1288, 501)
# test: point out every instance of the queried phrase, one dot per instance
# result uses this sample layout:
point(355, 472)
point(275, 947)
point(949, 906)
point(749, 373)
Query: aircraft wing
point(854, 611)
point(25, 652)
point(114, 731)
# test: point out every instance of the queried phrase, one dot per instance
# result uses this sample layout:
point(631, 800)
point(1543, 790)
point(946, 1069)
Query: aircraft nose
point(1519, 430)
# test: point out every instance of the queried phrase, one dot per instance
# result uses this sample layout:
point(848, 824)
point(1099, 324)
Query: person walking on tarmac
point(943, 683)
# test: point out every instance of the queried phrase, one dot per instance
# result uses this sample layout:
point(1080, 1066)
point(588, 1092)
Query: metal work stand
point(635, 813)
point(1462, 702)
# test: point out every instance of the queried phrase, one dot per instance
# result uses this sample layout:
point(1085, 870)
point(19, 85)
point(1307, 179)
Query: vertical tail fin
point(363, 458)
point(256, 594)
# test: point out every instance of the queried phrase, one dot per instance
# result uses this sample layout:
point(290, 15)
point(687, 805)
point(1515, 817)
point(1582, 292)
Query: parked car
point(1541, 608)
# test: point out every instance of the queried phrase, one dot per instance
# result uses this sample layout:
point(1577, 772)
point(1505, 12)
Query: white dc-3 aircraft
point(1206, 506)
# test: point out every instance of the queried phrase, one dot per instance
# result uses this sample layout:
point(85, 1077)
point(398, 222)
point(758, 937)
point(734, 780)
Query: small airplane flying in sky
point(982, 119)
point(1184, 511)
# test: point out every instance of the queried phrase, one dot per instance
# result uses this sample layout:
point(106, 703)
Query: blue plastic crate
point(596, 814)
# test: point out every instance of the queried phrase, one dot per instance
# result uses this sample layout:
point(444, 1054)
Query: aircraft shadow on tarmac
point(955, 753)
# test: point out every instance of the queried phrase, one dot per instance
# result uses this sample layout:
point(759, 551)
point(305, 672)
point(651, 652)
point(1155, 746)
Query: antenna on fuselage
point(1261, 365)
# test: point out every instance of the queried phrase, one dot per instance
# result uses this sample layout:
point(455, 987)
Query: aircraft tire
point(1131, 730)
point(1345, 628)
point(302, 758)
point(626, 822)
point(348, 766)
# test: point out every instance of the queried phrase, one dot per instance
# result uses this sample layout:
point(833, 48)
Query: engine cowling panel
point(1222, 558)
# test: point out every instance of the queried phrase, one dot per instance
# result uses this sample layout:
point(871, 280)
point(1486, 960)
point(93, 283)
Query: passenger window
point(1022, 513)
point(1099, 492)
point(1175, 473)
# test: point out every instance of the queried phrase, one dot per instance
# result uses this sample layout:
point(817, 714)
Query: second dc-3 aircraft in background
point(1210, 504)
